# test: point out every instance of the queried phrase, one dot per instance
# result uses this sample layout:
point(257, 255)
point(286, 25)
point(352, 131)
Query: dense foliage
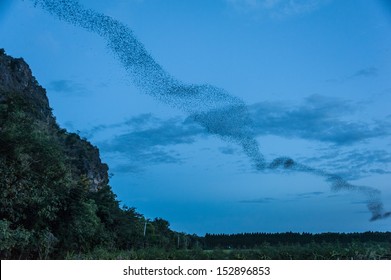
point(311, 251)
point(48, 208)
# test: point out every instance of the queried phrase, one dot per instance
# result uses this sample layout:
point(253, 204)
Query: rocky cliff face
point(16, 79)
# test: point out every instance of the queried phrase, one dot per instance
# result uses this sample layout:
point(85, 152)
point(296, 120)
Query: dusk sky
point(312, 75)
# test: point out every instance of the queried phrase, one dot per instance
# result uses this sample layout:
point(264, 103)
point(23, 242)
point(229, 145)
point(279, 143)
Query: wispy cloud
point(65, 86)
point(146, 140)
point(299, 196)
point(367, 72)
point(309, 194)
point(318, 118)
point(259, 200)
point(227, 150)
point(277, 8)
point(354, 163)
point(304, 195)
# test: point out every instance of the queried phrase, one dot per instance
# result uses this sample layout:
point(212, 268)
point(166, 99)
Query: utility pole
point(145, 232)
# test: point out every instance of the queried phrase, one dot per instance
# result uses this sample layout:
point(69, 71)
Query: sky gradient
point(311, 75)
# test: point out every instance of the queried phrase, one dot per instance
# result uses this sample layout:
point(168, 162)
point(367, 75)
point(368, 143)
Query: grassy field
point(325, 251)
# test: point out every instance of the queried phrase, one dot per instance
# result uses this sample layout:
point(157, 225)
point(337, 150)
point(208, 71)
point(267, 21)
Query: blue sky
point(314, 75)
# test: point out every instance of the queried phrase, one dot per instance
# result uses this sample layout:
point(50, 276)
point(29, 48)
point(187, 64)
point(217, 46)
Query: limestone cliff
point(16, 79)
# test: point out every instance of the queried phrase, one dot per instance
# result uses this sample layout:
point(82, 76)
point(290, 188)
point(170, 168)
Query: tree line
point(252, 240)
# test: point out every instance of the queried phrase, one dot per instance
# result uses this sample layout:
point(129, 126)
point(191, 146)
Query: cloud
point(309, 194)
point(65, 86)
point(139, 122)
point(355, 163)
point(318, 118)
point(169, 132)
point(146, 140)
point(277, 8)
point(227, 150)
point(367, 72)
point(298, 196)
point(259, 200)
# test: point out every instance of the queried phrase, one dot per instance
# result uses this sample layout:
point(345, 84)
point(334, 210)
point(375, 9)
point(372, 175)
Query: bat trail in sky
point(215, 109)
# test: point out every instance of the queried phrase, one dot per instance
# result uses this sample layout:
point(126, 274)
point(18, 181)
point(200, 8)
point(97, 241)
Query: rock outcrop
point(16, 79)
